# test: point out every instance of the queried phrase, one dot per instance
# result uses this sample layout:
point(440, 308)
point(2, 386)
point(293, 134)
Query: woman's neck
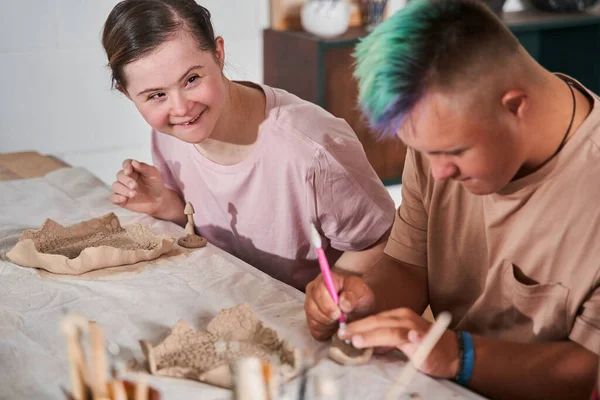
point(236, 131)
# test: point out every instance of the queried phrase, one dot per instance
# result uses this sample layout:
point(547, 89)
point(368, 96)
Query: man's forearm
point(560, 370)
point(396, 284)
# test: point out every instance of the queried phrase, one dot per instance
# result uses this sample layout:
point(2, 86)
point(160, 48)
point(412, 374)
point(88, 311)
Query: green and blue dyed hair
point(428, 43)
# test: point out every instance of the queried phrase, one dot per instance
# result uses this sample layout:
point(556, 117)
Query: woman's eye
point(156, 96)
point(193, 79)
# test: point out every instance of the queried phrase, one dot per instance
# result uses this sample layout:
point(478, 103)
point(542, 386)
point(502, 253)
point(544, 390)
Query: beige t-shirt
point(520, 265)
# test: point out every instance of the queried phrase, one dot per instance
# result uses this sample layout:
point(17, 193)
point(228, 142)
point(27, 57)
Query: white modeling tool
point(429, 341)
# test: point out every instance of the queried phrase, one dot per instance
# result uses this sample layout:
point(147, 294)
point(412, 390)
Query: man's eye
point(456, 152)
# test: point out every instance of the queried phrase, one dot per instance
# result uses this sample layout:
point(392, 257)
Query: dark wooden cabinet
point(320, 70)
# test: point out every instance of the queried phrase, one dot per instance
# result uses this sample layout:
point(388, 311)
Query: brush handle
point(326, 272)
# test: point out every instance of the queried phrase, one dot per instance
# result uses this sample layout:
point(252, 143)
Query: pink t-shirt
point(307, 166)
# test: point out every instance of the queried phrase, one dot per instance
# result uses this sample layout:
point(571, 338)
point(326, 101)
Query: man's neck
point(552, 122)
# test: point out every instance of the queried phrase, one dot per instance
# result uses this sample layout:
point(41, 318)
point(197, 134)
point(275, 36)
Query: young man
point(499, 215)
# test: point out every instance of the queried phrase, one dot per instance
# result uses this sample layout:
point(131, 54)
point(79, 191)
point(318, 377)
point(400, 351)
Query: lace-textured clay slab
point(90, 245)
point(205, 355)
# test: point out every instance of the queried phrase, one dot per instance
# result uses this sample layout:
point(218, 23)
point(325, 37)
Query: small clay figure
point(191, 240)
point(189, 212)
point(346, 354)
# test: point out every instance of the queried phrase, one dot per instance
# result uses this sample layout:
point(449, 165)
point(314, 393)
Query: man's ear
point(515, 101)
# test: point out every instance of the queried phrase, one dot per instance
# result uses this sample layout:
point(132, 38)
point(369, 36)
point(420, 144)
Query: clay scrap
point(234, 334)
point(90, 245)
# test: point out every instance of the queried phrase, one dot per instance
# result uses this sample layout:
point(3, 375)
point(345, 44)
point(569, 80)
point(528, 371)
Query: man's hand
point(403, 329)
point(322, 314)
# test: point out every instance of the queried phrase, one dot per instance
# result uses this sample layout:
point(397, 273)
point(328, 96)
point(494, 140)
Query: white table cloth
point(144, 301)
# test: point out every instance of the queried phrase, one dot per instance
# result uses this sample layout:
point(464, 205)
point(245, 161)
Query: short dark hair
point(135, 28)
point(428, 43)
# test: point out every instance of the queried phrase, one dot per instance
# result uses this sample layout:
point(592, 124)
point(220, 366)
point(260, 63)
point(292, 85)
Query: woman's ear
point(220, 51)
point(122, 90)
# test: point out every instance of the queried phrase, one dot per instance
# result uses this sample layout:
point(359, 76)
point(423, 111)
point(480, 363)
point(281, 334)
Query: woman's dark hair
point(135, 28)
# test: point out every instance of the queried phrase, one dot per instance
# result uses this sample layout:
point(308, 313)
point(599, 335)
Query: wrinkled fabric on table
point(145, 300)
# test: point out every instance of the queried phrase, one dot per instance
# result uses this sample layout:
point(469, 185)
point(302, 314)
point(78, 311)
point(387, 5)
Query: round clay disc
point(192, 241)
point(346, 354)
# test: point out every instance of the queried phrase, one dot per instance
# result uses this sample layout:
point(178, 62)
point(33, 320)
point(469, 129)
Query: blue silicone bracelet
point(467, 360)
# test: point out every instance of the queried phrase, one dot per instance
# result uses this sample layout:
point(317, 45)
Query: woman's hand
point(139, 187)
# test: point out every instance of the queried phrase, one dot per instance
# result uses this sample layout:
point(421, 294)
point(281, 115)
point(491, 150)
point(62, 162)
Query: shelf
point(528, 20)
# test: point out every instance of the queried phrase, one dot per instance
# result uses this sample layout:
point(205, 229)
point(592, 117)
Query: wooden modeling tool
point(141, 389)
point(91, 383)
point(118, 390)
point(98, 349)
point(427, 344)
point(72, 326)
point(191, 240)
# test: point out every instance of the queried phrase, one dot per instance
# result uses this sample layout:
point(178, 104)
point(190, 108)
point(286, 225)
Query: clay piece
point(206, 356)
point(87, 246)
point(346, 354)
point(189, 212)
point(191, 240)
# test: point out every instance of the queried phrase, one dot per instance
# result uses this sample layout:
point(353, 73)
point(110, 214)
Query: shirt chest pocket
point(514, 307)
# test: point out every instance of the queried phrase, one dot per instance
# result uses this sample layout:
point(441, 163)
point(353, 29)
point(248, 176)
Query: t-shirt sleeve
point(408, 238)
point(353, 207)
point(586, 329)
point(159, 161)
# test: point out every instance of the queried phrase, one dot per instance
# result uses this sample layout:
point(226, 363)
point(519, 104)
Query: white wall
point(56, 95)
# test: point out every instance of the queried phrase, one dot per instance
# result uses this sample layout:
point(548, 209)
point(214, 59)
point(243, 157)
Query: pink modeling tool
point(325, 270)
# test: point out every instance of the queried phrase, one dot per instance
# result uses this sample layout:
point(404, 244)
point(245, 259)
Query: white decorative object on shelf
point(325, 18)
